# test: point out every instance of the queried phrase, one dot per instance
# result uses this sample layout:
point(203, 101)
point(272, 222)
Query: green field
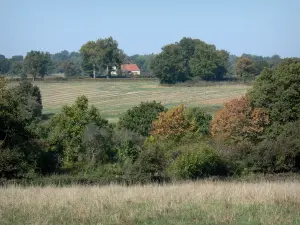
point(205, 202)
point(114, 97)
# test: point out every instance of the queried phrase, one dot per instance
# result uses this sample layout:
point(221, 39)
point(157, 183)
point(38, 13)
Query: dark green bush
point(280, 154)
point(139, 118)
point(200, 161)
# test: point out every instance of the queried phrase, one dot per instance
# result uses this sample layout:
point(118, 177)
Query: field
point(114, 97)
point(204, 202)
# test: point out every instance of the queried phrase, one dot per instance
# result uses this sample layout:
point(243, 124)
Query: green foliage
point(150, 166)
point(209, 63)
point(189, 58)
point(67, 128)
point(139, 118)
point(143, 62)
point(168, 66)
point(4, 65)
point(199, 119)
point(101, 54)
point(128, 145)
point(198, 161)
point(37, 63)
point(19, 150)
point(245, 68)
point(277, 90)
point(281, 154)
point(98, 145)
point(66, 62)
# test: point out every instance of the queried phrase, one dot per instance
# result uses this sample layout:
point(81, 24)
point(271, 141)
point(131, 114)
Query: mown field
point(191, 203)
point(114, 97)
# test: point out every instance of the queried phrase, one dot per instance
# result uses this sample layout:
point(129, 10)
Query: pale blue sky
point(262, 27)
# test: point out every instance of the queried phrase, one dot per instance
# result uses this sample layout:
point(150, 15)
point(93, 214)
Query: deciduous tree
point(37, 63)
point(238, 120)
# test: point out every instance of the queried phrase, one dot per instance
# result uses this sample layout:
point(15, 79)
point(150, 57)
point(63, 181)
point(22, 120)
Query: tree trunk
point(94, 71)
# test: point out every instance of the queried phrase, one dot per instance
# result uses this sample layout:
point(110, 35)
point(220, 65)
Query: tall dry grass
point(186, 203)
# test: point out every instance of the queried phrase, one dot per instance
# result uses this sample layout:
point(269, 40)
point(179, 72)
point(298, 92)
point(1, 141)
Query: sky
point(261, 27)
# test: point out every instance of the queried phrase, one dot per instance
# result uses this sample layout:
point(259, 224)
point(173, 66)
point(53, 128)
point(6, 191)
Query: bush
point(198, 162)
point(149, 167)
point(281, 154)
point(139, 118)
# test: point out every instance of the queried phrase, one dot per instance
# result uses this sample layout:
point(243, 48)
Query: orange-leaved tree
point(238, 120)
point(171, 124)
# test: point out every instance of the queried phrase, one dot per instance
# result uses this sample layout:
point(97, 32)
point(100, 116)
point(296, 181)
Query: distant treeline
point(188, 59)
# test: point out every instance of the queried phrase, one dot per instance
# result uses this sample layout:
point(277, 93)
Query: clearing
point(114, 97)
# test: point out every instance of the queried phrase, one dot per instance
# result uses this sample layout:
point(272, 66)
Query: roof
point(129, 67)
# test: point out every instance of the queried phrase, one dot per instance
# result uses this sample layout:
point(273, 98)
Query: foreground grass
point(189, 203)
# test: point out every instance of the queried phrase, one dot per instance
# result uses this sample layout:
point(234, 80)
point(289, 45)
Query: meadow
point(115, 97)
point(202, 202)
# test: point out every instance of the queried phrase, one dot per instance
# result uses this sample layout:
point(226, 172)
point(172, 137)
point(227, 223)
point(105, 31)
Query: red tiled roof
point(129, 67)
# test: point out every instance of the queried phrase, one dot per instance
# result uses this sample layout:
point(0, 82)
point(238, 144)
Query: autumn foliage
point(238, 120)
point(172, 123)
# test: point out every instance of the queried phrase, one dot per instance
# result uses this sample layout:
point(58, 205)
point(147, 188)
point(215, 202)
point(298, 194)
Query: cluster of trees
point(190, 58)
point(193, 59)
point(255, 133)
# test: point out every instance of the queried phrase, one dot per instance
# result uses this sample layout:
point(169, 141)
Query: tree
point(209, 63)
point(4, 65)
point(143, 62)
point(169, 65)
point(238, 120)
point(37, 63)
point(171, 124)
point(245, 68)
point(70, 69)
point(277, 90)
point(66, 130)
point(19, 150)
point(103, 53)
point(17, 58)
point(17, 67)
point(139, 118)
point(189, 58)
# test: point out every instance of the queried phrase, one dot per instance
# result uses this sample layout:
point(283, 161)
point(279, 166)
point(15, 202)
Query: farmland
point(204, 202)
point(114, 97)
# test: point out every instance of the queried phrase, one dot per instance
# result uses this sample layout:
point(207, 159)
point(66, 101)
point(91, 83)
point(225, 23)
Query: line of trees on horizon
point(188, 59)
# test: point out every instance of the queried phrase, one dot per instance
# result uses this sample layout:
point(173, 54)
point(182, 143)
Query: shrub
point(149, 167)
point(281, 154)
point(139, 118)
point(198, 162)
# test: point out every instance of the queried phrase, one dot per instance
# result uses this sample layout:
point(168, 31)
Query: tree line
point(188, 59)
point(257, 133)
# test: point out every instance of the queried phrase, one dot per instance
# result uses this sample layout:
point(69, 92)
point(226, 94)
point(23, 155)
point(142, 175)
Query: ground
point(114, 97)
point(203, 202)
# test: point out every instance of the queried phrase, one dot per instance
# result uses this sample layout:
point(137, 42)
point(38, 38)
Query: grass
point(113, 98)
point(204, 202)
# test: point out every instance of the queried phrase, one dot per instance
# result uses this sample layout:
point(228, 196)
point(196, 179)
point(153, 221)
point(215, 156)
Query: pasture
point(114, 97)
point(204, 202)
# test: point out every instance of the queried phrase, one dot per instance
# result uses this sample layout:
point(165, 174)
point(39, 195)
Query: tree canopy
point(277, 90)
point(190, 58)
point(101, 54)
point(37, 63)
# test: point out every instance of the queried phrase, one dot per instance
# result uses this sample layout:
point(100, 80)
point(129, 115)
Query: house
point(132, 69)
